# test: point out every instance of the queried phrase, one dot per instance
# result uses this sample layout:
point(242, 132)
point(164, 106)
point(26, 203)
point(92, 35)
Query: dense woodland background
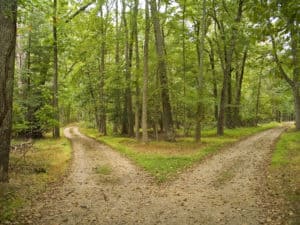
point(154, 69)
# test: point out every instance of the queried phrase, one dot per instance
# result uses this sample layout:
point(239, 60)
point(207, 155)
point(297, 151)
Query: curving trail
point(221, 190)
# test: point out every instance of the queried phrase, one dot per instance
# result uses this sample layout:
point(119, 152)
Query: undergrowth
point(43, 164)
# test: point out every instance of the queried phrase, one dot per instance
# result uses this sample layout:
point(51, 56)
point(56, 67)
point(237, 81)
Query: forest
point(149, 72)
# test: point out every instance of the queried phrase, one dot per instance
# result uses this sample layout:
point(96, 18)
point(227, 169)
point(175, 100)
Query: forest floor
point(104, 187)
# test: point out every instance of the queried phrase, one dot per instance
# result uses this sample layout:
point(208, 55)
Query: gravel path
point(224, 189)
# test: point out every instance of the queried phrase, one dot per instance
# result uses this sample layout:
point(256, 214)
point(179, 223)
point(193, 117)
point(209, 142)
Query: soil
point(226, 188)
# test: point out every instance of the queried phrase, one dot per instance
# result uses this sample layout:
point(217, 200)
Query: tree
point(55, 71)
point(8, 18)
point(201, 33)
point(145, 76)
point(137, 72)
point(167, 118)
point(128, 124)
point(226, 46)
point(287, 11)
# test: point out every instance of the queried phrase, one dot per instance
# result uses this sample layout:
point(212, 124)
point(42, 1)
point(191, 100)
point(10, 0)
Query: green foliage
point(80, 42)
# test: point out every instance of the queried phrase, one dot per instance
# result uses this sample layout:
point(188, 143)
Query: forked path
point(220, 190)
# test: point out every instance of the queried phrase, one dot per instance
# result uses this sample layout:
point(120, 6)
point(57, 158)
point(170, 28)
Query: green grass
point(44, 164)
point(286, 167)
point(104, 170)
point(164, 159)
point(287, 151)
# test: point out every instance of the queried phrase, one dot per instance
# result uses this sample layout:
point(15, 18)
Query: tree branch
point(81, 9)
point(276, 58)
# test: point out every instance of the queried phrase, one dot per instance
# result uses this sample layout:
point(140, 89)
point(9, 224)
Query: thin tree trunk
point(200, 83)
point(94, 100)
point(296, 69)
point(102, 104)
point(128, 58)
point(117, 107)
point(55, 69)
point(145, 75)
point(8, 18)
point(137, 74)
point(258, 98)
point(184, 67)
point(239, 82)
point(228, 109)
point(214, 77)
point(162, 73)
point(296, 93)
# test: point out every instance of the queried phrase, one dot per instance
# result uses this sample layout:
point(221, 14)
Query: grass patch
point(164, 159)
point(104, 170)
point(45, 163)
point(285, 167)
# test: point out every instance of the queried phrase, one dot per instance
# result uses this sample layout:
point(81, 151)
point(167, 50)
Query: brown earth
point(104, 187)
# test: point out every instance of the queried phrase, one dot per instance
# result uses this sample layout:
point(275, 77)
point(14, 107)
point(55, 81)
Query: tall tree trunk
point(200, 80)
point(162, 73)
point(214, 77)
point(93, 99)
point(128, 115)
point(117, 105)
point(184, 67)
point(238, 90)
point(145, 75)
point(8, 18)
point(102, 105)
point(258, 97)
point(295, 38)
point(296, 93)
point(137, 73)
point(228, 53)
point(228, 109)
point(55, 69)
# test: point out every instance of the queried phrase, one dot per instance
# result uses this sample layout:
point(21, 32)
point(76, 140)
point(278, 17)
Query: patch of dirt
point(224, 189)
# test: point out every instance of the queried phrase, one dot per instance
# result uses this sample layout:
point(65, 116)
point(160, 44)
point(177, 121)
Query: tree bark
point(295, 33)
point(117, 105)
point(214, 77)
point(55, 74)
point(145, 75)
point(238, 90)
point(8, 18)
point(258, 98)
point(296, 93)
point(184, 66)
point(137, 73)
point(102, 105)
point(162, 73)
point(128, 115)
point(200, 83)
point(228, 53)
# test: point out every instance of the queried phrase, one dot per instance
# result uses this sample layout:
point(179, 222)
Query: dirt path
point(221, 190)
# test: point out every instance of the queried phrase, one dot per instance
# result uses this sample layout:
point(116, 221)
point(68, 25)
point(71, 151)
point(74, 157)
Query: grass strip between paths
point(164, 159)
